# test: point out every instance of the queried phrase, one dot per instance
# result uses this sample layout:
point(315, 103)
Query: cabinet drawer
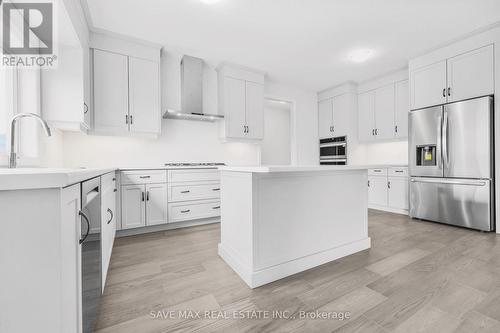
point(398, 172)
point(143, 177)
point(191, 211)
point(183, 192)
point(193, 175)
point(108, 181)
point(377, 172)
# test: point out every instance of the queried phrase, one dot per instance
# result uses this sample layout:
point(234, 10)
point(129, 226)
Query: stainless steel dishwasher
point(91, 252)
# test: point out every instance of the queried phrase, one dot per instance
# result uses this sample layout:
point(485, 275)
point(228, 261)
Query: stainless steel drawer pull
point(111, 216)
point(216, 189)
point(114, 190)
point(399, 171)
point(216, 207)
point(377, 170)
point(185, 191)
point(144, 177)
point(185, 211)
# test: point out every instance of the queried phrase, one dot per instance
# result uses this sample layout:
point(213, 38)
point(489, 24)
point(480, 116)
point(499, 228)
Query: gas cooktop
point(193, 164)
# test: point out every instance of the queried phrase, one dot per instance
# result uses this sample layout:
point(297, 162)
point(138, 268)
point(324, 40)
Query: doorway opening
point(276, 145)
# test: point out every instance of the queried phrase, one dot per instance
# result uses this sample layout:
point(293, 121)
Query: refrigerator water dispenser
point(426, 155)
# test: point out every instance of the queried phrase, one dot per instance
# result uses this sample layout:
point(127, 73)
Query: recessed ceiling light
point(361, 55)
point(209, 2)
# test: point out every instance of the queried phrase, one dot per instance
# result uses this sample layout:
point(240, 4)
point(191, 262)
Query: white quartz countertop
point(37, 178)
point(163, 167)
point(304, 168)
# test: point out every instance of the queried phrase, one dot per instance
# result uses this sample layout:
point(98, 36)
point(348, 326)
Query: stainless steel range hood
point(191, 92)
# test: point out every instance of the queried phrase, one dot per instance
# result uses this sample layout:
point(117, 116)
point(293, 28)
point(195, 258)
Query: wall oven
point(333, 151)
point(90, 243)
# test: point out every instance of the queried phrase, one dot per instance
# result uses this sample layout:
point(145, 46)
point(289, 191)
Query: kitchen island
point(280, 220)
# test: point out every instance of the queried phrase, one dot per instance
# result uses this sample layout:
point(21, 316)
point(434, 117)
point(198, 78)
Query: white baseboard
point(166, 226)
point(261, 277)
point(389, 209)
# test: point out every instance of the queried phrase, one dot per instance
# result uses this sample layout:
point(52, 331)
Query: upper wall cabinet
point(65, 90)
point(126, 88)
point(467, 75)
point(334, 115)
point(383, 112)
point(241, 101)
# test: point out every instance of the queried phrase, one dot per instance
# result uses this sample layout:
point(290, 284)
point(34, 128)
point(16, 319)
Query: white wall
point(276, 146)
point(304, 132)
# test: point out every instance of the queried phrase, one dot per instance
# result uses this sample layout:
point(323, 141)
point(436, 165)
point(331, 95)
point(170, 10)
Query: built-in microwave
point(333, 151)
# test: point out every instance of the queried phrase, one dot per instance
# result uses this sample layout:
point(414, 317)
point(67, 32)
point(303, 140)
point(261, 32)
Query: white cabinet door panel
point(428, 85)
point(235, 105)
point(384, 112)
point(133, 206)
point(377, 191)
point(366, 116)
point(156, 204)
point(110, 92)
point(86, 87)
point(325, 118)
point(402, 109)
point(254, 101)
point(398, 192)
point(342, 108)
point(471, 74)
point(144, 96)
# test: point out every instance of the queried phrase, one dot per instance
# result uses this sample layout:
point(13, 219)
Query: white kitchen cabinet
point(428, 85)
point(156, 204)
point(402, 109)
point(377, 190)
point(133, 206)
point(342, 109)
point(471, 74)
point(397, 196)
point(254, 101)
point(241, 101)
point(384, 112)
point(466, 75)
point(126, 95)
point(366, 116)
point(108, 220)
point(325, 118)
point(234, 100)
point(144, 96)
point(388, 189)
point(110, 92)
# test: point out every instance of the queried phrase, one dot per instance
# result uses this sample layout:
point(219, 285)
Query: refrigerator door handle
point(450, 181)
point(444, 139)
point(440, 143)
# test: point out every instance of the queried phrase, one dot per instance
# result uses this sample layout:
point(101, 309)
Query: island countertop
point(302, 168)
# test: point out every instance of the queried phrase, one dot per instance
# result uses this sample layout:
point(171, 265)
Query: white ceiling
point(300, 42)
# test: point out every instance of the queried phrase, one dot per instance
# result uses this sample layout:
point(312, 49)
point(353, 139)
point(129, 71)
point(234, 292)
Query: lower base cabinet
point(388, 189)
point(144, 205)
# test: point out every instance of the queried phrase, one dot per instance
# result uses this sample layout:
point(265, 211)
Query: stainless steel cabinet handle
point(114, 190)
point(396, 128)
point(376, 131)
point(142, 196)
point(373, 131)
point(114, 179)
point(216, 189)
point(444, 92)
point(185, 211)
point(126, 119)
point(333, 128)
point(368, 183)
point(86, 218)
point(449, 91)
point(377, 170)
point(85, 108)
point(111, 217)
point(187, 191)
point(144, 177)
point(216, 207)
point(147, 196)
point(388, 184)
point(131, 120)
point(248, 129)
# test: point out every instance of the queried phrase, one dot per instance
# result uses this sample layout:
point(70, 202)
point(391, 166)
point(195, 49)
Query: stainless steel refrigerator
point(451, 160)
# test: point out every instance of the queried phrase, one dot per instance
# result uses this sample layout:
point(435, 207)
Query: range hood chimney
point(191, 92)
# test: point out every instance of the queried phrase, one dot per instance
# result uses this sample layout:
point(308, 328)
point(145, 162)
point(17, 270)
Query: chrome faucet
point(13, 155)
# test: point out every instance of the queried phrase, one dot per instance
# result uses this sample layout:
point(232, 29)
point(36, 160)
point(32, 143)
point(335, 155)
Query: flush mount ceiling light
point(361, 55)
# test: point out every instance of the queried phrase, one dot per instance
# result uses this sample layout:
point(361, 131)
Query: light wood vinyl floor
point(417, 277)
